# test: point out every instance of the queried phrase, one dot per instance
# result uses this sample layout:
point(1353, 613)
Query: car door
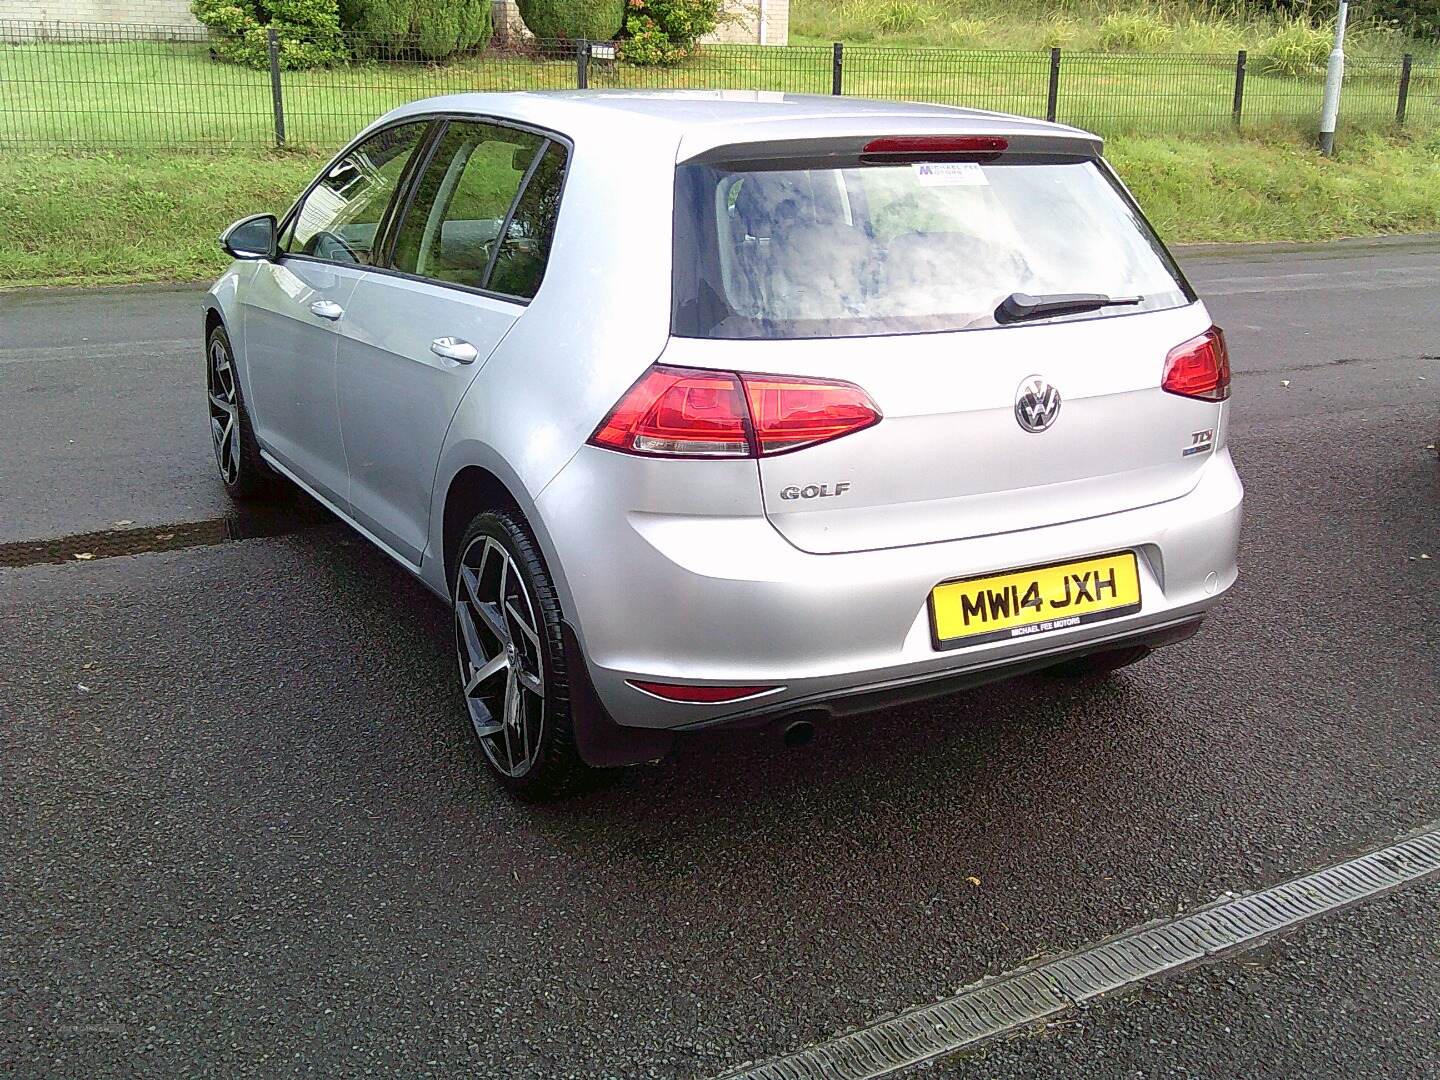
point(295, 304)
point(468, 253)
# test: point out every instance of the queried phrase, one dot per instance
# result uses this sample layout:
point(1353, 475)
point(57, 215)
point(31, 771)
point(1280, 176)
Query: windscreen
point(788, 252)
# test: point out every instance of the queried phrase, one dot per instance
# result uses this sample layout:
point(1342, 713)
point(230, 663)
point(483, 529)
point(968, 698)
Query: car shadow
point(990, 751)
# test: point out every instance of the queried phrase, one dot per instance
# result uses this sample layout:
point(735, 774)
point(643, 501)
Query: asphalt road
point(244, 830)
point(1356, 997)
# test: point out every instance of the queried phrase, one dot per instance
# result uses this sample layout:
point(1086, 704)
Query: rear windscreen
point(791, 252)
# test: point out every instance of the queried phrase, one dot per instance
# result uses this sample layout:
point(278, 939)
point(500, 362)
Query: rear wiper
point(1017, 307)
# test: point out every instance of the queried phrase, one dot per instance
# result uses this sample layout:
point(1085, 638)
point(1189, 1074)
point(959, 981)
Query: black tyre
point(237, 455)
point(512, 663)
point(1098, 664)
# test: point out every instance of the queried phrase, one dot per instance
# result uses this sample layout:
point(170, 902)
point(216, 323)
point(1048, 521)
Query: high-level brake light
point(928, 147)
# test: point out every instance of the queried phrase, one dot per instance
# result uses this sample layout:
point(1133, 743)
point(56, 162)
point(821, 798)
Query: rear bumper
point(708, 599)
point(605, 742)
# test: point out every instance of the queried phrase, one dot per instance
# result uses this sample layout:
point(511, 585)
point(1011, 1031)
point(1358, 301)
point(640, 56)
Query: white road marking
point(98, 350)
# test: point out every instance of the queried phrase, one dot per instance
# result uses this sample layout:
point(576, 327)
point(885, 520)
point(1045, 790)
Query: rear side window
point(903, 248)
point(339, 217)
point(451, 229)
point(525, 248)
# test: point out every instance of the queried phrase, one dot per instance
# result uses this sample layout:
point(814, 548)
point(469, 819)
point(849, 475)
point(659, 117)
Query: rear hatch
point(1008, 313)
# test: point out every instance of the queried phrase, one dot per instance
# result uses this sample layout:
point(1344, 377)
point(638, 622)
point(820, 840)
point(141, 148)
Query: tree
point(424, 29)
point(573, 20)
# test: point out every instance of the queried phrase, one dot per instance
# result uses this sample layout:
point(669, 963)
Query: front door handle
point(453, 348)
point(327, 309)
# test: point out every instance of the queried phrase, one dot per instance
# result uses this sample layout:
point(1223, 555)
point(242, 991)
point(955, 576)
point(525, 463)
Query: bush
point(1200, 35)
point(1060, 32)
point(1134, 31)
point(1296, 49)
point(572, 20)
point(308, 31)
point(417, 29)
point(966, 33)
point(665, 31)
point(903, 17)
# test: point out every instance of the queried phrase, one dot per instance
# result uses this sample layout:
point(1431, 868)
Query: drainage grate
point(1032, 994)
point(264, 521)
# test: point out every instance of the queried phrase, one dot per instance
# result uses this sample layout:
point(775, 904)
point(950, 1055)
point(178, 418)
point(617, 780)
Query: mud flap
point(601, 741)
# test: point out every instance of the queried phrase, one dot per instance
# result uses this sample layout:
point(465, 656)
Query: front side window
point(903, 248)
point(451, 232)
point(341, 215)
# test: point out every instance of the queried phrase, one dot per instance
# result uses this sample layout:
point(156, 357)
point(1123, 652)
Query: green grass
point(1171, 26)
point(146, 216)
point(103, 218)
point(153, 94)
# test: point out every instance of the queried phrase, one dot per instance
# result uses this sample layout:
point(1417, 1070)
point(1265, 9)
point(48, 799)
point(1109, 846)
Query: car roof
point(703, 119)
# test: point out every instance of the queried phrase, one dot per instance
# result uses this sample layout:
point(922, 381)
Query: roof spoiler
point(832, 151)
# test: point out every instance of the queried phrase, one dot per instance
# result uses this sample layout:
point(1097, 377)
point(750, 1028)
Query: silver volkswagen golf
point(711, 410)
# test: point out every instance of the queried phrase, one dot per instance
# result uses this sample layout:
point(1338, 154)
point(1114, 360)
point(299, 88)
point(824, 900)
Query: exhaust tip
point(798, 733)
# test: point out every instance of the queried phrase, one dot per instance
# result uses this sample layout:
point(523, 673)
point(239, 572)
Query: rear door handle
point(327, 309)
point(453, 348)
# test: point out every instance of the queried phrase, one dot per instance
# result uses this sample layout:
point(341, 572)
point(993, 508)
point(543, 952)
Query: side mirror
point(251, 238)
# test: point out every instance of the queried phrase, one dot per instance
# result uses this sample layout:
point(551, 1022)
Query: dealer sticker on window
point(949, 174)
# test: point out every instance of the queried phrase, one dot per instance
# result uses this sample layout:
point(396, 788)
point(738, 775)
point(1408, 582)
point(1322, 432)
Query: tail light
point(680, 412)
point(1200, 368)
point(673, 411)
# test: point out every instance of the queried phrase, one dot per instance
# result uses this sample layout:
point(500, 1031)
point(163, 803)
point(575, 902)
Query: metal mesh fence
point(325, 106)
point(800, 69)
point(97, 85)
point(1422, 106)
point(1013, 82)
point(1118, 92)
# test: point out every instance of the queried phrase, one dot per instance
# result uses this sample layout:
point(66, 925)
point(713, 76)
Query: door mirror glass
point(251, 237)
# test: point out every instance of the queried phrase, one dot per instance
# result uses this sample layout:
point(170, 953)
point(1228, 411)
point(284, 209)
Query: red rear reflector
point(1199, 368)
point(936, 144)
point(678, 412)
point(702, 695)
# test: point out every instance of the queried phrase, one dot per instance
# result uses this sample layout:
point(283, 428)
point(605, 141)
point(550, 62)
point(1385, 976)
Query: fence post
point(1239, 102)
point(837, 59)
point(273, 47)
point(1052, 99)
point(1404, 88)
point(582, 64)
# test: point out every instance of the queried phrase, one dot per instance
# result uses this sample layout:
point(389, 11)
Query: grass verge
point(1167, 26)
point(146, 216)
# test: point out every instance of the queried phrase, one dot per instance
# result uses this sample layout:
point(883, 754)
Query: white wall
point(148, 12)
point(742, 24)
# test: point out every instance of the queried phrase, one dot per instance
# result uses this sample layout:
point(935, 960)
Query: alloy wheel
point(224, 411)
point(502, 666)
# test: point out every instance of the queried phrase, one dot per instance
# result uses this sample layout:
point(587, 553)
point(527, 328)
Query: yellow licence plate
point(1024, 602)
